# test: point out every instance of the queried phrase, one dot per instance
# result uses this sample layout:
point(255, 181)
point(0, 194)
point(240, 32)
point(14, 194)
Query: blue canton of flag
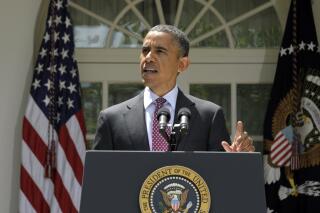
point(62, 66)
point(53, 146)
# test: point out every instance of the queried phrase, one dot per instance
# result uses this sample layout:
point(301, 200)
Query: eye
point(145, 50)
point(160, 51)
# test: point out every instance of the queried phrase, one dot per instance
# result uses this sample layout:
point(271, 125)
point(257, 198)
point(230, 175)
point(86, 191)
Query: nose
point(149, 56)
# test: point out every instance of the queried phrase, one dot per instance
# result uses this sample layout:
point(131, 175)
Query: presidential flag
point(53, 141)
point(292, 124)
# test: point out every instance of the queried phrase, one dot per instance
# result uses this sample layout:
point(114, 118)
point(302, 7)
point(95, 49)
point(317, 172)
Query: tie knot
point(159, 102)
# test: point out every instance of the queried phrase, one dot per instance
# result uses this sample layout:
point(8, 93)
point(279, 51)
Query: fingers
point(239, 128)
point(244, 143)
point(241, 142)
point(226, 146)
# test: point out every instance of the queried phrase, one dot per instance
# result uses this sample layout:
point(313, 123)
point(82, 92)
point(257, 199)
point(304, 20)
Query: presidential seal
point(174, 189)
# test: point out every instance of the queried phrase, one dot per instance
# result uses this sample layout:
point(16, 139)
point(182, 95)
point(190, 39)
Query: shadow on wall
point(16, 156)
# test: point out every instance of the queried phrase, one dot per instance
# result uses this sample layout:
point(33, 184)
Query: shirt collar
point(150, 97)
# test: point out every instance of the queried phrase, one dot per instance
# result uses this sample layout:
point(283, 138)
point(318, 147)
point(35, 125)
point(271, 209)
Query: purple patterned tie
point(158, 142)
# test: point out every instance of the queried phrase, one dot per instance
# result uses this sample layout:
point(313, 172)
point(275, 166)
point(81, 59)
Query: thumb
point(226, 146)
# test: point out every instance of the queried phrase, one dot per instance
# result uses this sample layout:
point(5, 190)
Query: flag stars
point(59, 5)
point(55, 52)
point(36, 84)
point(62, 69)
point(74, 58)
point(52, 69)
point(311, 46)
point(50, 21)
point(291, 49)
point(39, 68)
point(72, 88)
point(283, 51)
point(46, 37)
point(43, 52)
point(56, 36)
point(70, 103)
point(67, 22)
point(64, 53)
point(312, 93)
point(58, 20)
point(73, 73)
point(46, 100)
point(49, 84)
point(302, 45)
point(62, 85)
point(60, 101)
point(66, 38)
point(58, 117)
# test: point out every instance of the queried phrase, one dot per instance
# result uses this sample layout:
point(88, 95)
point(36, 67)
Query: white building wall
point(17, 26)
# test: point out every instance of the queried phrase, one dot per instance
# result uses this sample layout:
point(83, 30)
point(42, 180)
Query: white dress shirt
point(149, 106)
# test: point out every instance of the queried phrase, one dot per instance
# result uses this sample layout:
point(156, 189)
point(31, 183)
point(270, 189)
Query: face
point(160, 62)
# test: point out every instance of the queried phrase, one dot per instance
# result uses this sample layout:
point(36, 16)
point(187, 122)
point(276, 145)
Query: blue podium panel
point(113, 181)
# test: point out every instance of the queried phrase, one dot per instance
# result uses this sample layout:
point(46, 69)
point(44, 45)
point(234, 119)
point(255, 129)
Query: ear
point(184, 64)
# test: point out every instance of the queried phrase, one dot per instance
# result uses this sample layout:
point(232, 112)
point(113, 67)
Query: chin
point(146, 83)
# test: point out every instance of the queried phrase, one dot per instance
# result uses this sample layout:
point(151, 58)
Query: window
point(208, 23)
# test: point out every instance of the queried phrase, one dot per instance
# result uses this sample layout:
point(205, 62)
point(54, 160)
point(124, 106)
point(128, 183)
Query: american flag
point(53, 142)
point(281, 150)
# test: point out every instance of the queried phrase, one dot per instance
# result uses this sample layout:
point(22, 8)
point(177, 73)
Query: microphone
point(184, 115)
point(163, 117)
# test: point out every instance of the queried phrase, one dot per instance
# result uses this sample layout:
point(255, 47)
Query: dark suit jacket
point(123, 127)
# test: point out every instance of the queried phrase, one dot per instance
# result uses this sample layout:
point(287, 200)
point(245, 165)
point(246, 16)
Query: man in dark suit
point(131, 126)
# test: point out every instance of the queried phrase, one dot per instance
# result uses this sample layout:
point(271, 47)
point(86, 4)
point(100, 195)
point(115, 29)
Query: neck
point(163, 92)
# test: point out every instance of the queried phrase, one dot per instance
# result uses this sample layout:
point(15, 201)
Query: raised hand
point(241, 141)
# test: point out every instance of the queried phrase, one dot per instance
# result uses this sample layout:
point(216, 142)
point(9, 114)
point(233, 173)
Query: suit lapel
point(184, 101)
point(136, 125)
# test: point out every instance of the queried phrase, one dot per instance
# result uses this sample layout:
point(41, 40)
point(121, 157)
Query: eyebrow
point(157, 47)
point(162, 48)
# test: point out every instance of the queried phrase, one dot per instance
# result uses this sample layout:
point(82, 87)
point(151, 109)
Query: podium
point(126, 181)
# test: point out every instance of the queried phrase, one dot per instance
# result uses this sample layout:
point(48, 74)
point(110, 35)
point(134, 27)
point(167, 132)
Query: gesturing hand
point(241, 141)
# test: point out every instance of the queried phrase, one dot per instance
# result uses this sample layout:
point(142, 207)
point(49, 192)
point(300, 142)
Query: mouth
point(147, 71)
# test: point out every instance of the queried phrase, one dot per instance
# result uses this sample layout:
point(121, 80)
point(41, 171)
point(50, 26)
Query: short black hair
point(179, 36)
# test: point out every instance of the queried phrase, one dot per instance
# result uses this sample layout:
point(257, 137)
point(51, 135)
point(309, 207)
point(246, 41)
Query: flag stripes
point(25, 203)
point(281, 150)
point(38, 179)
point(73, 157)
point(66, 188)
point(33, 193)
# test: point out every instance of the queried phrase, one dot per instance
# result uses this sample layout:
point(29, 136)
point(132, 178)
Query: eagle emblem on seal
point(175, 198)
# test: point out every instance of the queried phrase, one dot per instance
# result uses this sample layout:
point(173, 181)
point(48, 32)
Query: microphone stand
point(173, 143)
point(177, 129)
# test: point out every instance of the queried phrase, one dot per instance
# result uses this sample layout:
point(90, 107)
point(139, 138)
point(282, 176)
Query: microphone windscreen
point(164, 111)
point(184, 111)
